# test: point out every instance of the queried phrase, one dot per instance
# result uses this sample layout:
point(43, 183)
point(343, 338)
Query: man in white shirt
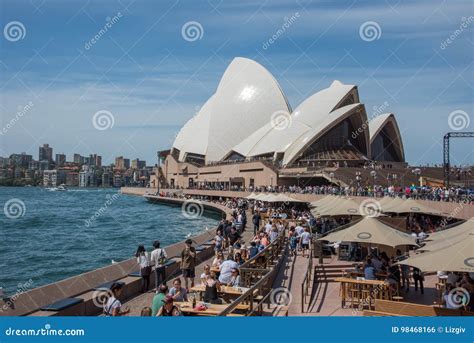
point(226, 270)
point(268, 227)
point(305, 241)
point(159, 257)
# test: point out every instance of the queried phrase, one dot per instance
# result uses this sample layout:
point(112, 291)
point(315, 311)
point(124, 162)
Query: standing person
point(256, 222)
point(293, 243)
point(218, 241)
point(418, 278)
point(234, 236)
point(143, 260)
point(159, 257)
point(188, 263)
point(305, 241)
point(157, 301)
point(113, 306)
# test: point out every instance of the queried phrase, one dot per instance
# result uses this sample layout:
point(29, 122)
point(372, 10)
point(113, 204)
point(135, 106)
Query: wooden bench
point(400, 308)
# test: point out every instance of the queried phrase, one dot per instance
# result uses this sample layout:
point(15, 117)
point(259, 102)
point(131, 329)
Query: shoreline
point(82, 286)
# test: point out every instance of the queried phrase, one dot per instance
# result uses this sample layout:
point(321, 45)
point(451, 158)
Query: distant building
point(106, 179)
point(45, 153)
point(78, 159)
point(117, 180)
point(122, 163)
point(72, 179)
point(33, 165)
point(21, 160)
point(86, 177)
point(137, 164)
point(60, 160)
point(43, 165)
point(50, 178)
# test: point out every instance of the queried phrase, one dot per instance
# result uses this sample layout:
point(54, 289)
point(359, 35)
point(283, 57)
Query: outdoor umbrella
point(442, 239)
point(458, 257)
point(373, 231)
point(411, 206)
point(252, 196)
point(341, 207)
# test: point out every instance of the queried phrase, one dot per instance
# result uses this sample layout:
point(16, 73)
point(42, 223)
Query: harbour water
point(47, 236)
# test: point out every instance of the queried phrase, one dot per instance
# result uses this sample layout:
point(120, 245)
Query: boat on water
point(60, 188)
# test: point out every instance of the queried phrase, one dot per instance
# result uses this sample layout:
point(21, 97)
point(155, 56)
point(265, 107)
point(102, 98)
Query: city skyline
point(151, 79)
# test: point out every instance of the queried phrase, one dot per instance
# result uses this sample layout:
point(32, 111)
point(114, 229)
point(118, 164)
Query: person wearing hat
point(188, 262)
point(169, 309)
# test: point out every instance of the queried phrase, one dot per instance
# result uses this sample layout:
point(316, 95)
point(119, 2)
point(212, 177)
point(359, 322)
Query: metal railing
point(260, 292)
point(308, 277)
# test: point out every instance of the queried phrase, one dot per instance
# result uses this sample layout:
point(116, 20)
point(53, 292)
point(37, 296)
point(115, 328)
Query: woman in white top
point(143, 260)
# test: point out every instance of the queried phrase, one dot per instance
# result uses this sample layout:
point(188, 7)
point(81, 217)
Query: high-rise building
point(122, 163)
point(137, 164)
point(45, 153)
point(60, 160)
point(78, 159)
point(86, 176)
point(21, 160)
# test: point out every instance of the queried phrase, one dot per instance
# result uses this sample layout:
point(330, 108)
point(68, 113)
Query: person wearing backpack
point(159, 258)
point(143, 260)
point(113, 306)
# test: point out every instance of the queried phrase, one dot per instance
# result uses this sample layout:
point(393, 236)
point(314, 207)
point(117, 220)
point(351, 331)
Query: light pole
point(373, 173)
point(417, 173)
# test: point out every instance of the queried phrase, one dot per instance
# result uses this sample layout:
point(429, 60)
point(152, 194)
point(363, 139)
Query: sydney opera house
point(247, 134)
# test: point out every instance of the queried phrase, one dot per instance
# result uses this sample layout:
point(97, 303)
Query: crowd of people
point(451, 194)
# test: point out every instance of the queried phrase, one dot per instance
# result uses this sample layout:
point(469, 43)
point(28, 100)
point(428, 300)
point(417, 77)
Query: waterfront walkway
point(137, 303)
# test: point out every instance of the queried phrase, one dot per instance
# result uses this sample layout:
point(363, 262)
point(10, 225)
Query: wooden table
point(359, 284)
point(223, 289)
point(212, 309)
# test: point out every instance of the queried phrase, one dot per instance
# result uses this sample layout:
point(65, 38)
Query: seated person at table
point(169, 309)
point(113, 306)
point(369, 270)
point(218, 260)
point(376, 262)
point(158, 299)
point(452, 278)
point(211, 290)
point(206, 273)
point(177, 292)
point(235, 278)
point(226, 270)
point(253, 250)
point(238, 258)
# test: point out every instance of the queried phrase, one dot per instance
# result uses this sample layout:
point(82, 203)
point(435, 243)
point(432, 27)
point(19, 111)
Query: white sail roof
point(246, 98)
point(272, 138)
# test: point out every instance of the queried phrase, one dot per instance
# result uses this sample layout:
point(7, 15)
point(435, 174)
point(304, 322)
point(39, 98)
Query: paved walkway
point(136, 304)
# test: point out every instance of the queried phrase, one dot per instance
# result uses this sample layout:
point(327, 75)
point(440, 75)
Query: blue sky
point(152, 80)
